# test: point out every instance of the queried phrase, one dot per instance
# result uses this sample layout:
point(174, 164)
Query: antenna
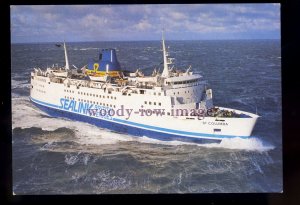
point(66, 57)
point(165, 72)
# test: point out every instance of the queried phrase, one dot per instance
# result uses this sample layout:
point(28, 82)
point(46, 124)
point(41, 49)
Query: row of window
point(69, 91)
point(184, 92)
point(92, 102)
point(93, 95)
point(183, 82)
point(150, 103)
point(41, 91)
point(70, 98)
point(103, 96)
point(41, 79)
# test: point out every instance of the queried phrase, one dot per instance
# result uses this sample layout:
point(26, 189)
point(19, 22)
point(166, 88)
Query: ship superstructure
point(172, 105)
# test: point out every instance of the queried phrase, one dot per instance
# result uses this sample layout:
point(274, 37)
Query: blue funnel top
point(107, 60)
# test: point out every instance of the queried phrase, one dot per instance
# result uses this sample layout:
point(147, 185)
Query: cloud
point(141, 22)
point(143, 25)
point(177, 16)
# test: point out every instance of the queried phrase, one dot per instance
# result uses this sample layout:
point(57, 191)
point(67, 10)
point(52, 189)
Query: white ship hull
point(68, 101)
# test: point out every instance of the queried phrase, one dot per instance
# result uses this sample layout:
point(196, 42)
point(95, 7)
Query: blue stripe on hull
point(123, 128)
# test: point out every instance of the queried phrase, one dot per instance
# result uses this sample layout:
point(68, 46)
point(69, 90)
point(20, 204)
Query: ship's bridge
point(185, 89)
point(106, 65)
point(186, 79)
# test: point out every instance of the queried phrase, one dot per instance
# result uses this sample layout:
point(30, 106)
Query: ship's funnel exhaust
point(109, 60)
point(107, 64)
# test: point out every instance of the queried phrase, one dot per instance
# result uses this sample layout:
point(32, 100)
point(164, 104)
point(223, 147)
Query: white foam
point(71, 159)
point(252, 143)
point(19, 84)
point(149, 140)
point(97, 136)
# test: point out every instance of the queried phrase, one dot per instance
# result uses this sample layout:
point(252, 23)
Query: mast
point(165, 72)
point(66, 57)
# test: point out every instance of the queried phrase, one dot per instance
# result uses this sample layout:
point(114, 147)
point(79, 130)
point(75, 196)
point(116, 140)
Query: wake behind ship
point(171, 105)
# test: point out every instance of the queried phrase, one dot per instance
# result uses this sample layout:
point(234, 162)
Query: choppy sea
point(60, 156)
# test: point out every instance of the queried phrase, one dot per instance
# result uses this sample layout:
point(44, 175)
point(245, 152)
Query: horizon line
point(246, 39)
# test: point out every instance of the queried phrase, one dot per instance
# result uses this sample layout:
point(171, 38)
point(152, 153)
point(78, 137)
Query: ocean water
point(60, 156)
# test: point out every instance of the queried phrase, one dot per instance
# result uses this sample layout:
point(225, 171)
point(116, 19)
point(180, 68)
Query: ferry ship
point(172, 105)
